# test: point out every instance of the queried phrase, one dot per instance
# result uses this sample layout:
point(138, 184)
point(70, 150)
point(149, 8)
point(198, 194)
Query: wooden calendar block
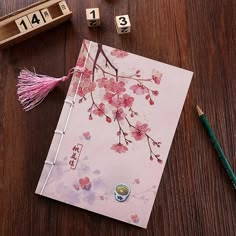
point(23, 24)
point(32, 20)
point(64, 7)
point(36, 19)
point(123, 25)
point(93, 17)
point(46, 15)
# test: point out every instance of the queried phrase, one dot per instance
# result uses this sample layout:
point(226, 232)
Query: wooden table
point(195, 196)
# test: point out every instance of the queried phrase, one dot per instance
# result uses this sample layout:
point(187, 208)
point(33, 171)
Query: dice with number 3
point(123, 25)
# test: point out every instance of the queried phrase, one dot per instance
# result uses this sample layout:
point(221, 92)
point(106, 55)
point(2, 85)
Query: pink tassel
point(32, 88)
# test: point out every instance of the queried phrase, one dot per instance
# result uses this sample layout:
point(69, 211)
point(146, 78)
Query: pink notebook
point(114, 134)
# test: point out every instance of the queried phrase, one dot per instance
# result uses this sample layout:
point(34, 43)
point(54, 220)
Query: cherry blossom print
point(115, 87)
point(87, 74)
point(100, 111)
point(120, 148)
point(151, 102)
point(101, 197)
point(117, 101)
point(128, 100)
point(156, 76)
point(85, 183)
point(85, 87)
point(119, 114)
point(108, 119)
point(119, 53)
point(139, 131)
point(134, 218)
point(155, 93)
point(118, 87)
point(139, 89)
point(108, 97)
point(137, 181)
point(81, 62)
point(101, 82)
point(87, 135)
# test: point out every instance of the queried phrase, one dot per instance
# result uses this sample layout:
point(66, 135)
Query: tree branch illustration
point(119, 101)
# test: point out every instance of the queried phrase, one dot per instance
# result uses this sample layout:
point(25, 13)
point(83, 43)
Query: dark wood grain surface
point(195, 196)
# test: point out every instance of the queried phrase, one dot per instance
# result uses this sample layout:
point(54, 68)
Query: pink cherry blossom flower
point(108, 84)
point(119, 53)
point(128, 100)
point(118, 87)
point(85, 183)
point(85, 87)
point(101, 197)
point(119, 114)
point(101, 82)
point(137, 181)
point(112, 86)
point(139, 131)
point(139, 89)
point(116, 102)
point(156, 76)
point(134, 218)
point(120, 148)
point(80, 62)
point(108, 97)
point(87, 74)
point(100, 110)
point(87, 135)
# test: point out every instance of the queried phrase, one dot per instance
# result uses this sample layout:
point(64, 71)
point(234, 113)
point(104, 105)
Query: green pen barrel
point(218, 149)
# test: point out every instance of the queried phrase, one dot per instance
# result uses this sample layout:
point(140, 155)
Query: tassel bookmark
point(33, 88)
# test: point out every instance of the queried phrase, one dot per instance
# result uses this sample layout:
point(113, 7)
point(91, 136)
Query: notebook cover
point(115, 131)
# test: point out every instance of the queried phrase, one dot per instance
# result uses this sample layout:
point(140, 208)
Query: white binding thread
point(72, 103)
point(62, 133)
point(49, 162)
point(59, 132)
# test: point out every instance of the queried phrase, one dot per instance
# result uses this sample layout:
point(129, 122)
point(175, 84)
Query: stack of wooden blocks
point(32, 20)
point(44, 15)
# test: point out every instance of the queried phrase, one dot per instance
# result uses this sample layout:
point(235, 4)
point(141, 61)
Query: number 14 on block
point(33, 20)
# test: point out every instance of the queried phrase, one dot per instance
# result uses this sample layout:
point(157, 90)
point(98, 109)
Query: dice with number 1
point(123, 25)
point(93, 17)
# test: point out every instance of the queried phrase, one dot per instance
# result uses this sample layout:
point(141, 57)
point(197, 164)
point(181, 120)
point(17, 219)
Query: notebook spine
point(62, 132)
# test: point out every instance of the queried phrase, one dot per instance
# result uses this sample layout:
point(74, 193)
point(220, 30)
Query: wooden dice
point(123, 25)
point(93, 17)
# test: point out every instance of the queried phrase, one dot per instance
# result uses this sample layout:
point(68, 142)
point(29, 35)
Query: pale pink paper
point(91, 144)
